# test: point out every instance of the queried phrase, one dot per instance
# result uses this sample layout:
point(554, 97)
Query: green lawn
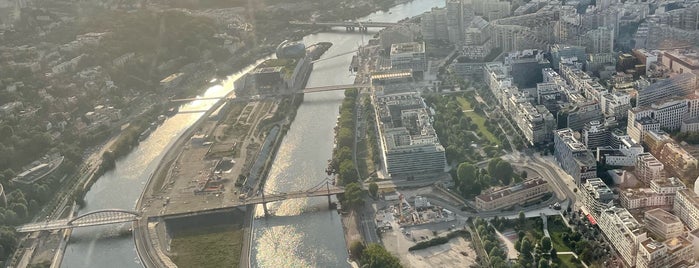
point(465, 105)
point(567, 261)
point(210, 247)
point(478, 120)
point(556, 229)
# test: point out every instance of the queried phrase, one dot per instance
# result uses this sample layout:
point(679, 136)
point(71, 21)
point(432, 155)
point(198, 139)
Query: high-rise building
point(559, 51)
point(600, 40)
point(682, 61)
point(576, 115)
point(394, 35)
point(455, 21)
point(476, 43)
point(595, 135)
point(596, 196)
point(433, 25)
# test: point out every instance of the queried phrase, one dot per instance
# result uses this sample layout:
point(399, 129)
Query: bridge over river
point(113, 216)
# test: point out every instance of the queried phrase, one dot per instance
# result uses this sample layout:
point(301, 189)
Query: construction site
point(403, 213)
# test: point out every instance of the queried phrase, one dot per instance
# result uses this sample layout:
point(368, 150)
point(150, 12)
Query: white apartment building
point(668, 114)
point(686, 207)
point(662, 224)
point(596, 196)
point(573, 156)
point(660, 194)
point(669, 253)
point(623, 232)
point(648, 168)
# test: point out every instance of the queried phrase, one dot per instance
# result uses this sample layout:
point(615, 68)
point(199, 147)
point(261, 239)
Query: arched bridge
point(94, 218)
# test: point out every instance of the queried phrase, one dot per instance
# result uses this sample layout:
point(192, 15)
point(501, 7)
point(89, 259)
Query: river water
point(302, 232)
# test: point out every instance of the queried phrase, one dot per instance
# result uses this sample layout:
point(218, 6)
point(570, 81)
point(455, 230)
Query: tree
point(523, 174)
point(503, 172)
point(521, 234)
point(543, 263)
point(376, 256)
point(343, 153)
point(356, 249)
point(553, 253)
point(347, 172)
point(526, 249)
point(373, 189)
point(466, 173)
point(545, 244)
point(522, 218)
point(353, 196)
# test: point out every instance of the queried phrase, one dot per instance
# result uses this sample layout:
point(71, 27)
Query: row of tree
point(490, 241)
point(344, 138)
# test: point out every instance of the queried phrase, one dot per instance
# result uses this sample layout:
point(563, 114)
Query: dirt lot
point(446, 255)
point(457, 252)
point(194, 165)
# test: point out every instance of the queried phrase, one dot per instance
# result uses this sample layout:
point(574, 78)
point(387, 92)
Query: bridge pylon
point(264, 204)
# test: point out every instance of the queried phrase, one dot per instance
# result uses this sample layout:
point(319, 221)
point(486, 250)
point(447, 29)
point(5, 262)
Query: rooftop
point(668, 182)
point(410, 47)
point(662, 215)
point(513, 189)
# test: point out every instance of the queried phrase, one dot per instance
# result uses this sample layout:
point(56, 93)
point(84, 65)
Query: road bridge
point(94, 218)
point(350, 26)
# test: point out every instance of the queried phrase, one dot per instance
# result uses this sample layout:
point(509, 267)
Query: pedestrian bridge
point(94, 218)
point(112, 216)
point(305, 90)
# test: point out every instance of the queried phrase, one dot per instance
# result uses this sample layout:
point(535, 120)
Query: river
point(302, 232)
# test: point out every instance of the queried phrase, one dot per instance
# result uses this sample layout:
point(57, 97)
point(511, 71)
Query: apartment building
point(660, 194)
point(596, 196)
point(686, 207)
point(648, 168)
point(623, 232)
point(573, 156)
point(672, 252)
point(662, 224)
